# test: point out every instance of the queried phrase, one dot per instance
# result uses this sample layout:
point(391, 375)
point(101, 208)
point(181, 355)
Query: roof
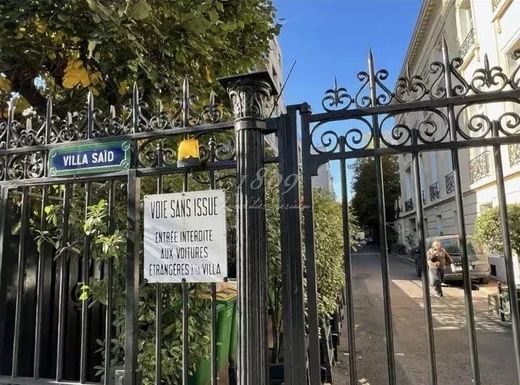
point(420, 32)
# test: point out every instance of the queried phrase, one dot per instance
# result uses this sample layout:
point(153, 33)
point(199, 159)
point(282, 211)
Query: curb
point(404, 257)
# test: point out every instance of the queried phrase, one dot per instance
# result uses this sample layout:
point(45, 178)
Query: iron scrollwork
point(479, 167)
point(441, 82)
point(450, 182)
point(435, 191)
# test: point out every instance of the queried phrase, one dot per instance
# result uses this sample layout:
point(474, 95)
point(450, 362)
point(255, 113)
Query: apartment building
point(472, 28)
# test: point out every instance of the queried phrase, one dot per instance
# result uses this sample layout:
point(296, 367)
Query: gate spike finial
point(48, 117)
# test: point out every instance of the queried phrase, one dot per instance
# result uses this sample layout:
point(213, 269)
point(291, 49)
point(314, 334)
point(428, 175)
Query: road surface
point(495, 344)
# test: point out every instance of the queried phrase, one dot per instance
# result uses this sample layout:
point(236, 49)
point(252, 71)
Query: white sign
point(185, 237)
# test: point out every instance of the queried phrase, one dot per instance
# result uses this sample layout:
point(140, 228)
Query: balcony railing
point(496, 3)
point(514, 154)
point(450, 183)
point(479, 167)
point(408, 205)
point(435, 191)
point(468, 43)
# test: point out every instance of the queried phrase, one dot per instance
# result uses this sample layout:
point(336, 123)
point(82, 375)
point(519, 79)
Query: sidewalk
point(490, 288)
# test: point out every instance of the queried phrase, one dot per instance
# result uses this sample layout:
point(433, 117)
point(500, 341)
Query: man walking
point(438, 258)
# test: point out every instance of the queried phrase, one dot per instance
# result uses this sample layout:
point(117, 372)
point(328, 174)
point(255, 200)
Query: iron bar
point(184, 284)
point(158, 292)
point(295, 371)
point(347, 266)
point(24, 219)
point(310, 261)
point(213, 284)
point(508, 255)
point(32, 381)
point(132, 276)
point(41, 254)
point(4, 199)
point(424, 267)
point(39, 285)
point(109, 276)
point(166, 133)
point(63, 284)
point(387, 304)
point(468, 297)
point(85, 270)
point(185, 335)
point(422, 105)
point(318, 159)
point(213, 333)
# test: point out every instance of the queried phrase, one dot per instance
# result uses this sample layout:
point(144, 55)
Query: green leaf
point(140, 10)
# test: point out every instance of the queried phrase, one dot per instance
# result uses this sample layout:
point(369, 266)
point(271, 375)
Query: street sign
point(185, 237)
point(90, 158)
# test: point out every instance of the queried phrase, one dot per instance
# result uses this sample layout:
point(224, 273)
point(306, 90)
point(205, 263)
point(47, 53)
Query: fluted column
point(250, 96)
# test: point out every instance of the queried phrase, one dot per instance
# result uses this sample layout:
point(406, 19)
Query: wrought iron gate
point(372, 126)
point(52, 327)
point(48, 324)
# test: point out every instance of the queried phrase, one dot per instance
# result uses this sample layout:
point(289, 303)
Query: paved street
point(494, 338)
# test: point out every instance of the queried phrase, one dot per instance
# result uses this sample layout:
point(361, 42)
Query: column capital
point(251, 94)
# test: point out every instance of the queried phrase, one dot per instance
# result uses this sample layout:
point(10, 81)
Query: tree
point(488, 229)
point(328, 253)
point(72, 46)
point(364, 186)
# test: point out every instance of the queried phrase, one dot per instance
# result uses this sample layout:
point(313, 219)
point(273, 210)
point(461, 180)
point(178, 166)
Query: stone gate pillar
point(251, 96)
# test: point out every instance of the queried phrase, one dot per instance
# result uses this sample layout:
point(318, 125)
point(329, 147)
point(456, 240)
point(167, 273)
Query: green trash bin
point(233, 344)
point(225, 315)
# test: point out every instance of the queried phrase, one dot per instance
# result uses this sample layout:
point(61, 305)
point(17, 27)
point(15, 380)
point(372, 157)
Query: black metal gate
point(73, 313)
point(370, 127)
point(51, 329)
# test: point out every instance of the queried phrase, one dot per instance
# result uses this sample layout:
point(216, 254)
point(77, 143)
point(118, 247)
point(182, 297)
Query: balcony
point(479, 167)
point(468, 43)
point(408, 205)
point(514, 154)
point(450, 183)
point(435, 191)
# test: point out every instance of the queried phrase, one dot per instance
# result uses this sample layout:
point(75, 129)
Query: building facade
point(471, 28)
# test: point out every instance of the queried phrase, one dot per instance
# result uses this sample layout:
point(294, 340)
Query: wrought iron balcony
point(423, 197)
point(468, 43)
point(435, 191)
point(479, 167)
point(408, 205)
point(450, 183)
point(514, 154)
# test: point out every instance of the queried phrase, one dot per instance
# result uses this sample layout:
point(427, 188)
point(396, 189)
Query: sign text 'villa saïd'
point(90, 158)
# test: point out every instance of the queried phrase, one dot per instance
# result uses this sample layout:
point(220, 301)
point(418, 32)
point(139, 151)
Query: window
point(433, 167)
point(465, 18)
point(485, 207)
point(440, 227)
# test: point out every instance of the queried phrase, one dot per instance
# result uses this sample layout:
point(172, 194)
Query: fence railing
point(479, 167)
point(469, 41)
point(435, 191)
point(450, 183)
point(514, 154)
point(408, 205)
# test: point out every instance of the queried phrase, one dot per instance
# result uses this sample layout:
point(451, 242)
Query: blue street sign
point(90, 158)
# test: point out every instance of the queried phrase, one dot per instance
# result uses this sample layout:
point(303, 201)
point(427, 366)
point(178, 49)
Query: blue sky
point(332, 38)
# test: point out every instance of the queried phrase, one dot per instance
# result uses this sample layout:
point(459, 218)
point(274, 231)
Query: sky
point(332, 38)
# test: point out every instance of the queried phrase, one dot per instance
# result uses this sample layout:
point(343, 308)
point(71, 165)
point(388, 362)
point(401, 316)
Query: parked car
point(479, 268)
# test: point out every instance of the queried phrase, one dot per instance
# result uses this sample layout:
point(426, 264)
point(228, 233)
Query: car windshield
point(475, 253)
